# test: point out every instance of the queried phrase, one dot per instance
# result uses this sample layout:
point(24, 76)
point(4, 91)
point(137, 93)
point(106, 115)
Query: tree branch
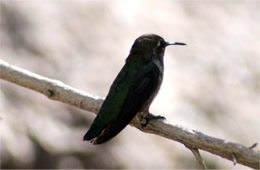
point(57, 90)
point(198, 157)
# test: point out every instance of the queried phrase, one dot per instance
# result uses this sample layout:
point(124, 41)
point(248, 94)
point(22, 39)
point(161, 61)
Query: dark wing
point(140, 91)
point(113, 103)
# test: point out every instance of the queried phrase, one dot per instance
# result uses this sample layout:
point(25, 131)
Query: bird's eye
point(159, 44)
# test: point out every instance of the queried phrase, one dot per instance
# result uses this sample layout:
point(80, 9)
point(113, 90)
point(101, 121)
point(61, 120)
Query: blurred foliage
point(211, 85)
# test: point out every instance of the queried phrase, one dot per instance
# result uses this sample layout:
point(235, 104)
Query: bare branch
point(53, 89)
point(253, 146)
point(57, 90)
point(234, 159)
point(198, 157)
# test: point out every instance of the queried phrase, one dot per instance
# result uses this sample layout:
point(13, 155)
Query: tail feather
point(114, 128)
point(107, 134)
point(92, 133)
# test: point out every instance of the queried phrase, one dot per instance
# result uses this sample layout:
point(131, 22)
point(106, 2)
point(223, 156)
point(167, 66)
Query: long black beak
point(174, 43)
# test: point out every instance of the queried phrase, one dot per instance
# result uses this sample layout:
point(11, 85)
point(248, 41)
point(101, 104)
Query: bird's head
point(150, 45)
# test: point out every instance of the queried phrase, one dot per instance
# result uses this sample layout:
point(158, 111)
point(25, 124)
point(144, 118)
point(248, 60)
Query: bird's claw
point(158, 117)
point(145, 120)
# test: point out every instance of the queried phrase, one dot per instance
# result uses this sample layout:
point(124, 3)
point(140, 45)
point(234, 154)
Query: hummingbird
point(133, 90)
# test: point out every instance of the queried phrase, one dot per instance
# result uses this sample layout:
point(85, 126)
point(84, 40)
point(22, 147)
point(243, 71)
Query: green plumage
point(133, 90)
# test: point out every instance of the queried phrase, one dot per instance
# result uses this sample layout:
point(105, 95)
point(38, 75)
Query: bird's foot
point(145, 120)
point(157, 117)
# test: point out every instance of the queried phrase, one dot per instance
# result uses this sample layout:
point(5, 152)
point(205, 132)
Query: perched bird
point(133, 90)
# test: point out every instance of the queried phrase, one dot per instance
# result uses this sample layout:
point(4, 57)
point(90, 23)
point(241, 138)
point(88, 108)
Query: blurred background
point(211, 85)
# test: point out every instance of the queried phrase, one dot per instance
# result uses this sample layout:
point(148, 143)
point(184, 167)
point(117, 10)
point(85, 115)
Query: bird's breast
point(159, 79)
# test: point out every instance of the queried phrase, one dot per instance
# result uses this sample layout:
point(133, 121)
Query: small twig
point(253, 146)
point(234, 159)
point(197, 156)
